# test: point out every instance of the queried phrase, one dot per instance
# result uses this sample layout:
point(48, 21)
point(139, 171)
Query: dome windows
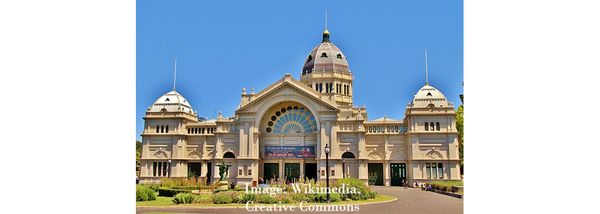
point(339, 56)
point(324, 55)
point(309, 59)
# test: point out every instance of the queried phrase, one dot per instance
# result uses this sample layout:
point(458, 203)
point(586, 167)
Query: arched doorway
point(349, 165)
point(288, 141)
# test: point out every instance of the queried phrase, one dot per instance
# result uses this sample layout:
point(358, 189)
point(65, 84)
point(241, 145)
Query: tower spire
point(426, 69)
point(325, 32)
point(175, 74)
point(325, 19)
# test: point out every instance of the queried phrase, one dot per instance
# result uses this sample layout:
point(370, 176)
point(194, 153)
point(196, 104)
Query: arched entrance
point(349, 167)
point(288, 141)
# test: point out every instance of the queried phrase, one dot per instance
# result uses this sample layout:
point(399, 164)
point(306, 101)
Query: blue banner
point(289, 152)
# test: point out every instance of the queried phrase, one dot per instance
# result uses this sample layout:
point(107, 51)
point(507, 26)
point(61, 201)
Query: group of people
point(424, 186)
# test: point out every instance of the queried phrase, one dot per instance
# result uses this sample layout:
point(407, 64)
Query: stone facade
point(306, 115)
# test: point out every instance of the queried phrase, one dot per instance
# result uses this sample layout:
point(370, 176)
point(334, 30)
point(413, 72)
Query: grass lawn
point(160, 201)
point(168, 201)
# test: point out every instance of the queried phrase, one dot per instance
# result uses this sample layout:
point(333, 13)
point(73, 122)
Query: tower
point(326, 70)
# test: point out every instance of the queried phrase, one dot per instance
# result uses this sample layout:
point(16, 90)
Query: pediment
point(291, 88)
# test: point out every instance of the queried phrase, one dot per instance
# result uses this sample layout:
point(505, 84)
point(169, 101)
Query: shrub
point(204, 198)
point(144, 194)
point(222, 198)
point(265, 199)
point(284, 198)
point(300, 197)
point(363, 191)
point(168, 192)
point(243, 198)
point(234, 195)
point(184, 198)
point(152, 186)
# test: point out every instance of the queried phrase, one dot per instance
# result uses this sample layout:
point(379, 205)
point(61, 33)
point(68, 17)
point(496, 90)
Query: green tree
point(460, 128)
point(138, 153)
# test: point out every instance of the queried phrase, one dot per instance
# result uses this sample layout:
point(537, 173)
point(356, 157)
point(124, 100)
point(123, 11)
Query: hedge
point(168, 192)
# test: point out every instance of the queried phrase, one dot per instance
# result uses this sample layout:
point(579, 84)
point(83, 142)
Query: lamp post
point(327, 150)
point(343, 168)
point(169, 168)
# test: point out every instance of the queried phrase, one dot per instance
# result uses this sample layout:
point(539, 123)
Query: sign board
point(278, 152)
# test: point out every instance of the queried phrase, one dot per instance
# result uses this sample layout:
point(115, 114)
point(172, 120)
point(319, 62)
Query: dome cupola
point(325, 57)
point(171, 102)
point(428, 96)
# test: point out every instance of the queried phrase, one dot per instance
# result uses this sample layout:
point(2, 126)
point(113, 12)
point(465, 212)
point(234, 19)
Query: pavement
point(410, 201)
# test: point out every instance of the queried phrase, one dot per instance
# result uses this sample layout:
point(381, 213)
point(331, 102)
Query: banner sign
point(289, 152)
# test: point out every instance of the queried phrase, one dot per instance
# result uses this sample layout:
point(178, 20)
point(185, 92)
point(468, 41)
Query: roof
point(171, 102)
point(325, 57)
point(428, 95)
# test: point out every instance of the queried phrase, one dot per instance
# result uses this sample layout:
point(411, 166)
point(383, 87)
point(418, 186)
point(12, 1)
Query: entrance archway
point(288, 142)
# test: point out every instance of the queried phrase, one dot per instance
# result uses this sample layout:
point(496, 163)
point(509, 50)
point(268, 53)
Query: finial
point(325, 32)
point(252, 90)
point(175, 74)
point(426, 69)
point(243, 90)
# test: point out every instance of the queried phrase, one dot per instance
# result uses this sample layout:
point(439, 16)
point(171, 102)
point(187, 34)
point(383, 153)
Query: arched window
point(348, 155)
point(437, 126)
point(432, 126)
point(426, 126)
point(339, 56)
point(157, 129)
point(162, 129)
point(228, 155)
point(323, 55)
point(309, 58)
point(167, 129)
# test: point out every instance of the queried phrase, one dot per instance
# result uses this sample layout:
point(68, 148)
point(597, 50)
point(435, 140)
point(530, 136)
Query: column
point(302, 168)
point(386, 173)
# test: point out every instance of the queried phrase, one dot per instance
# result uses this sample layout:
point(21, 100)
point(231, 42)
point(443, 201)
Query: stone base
point(223, 185)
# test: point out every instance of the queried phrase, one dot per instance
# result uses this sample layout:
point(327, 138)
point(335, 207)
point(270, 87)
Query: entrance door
point(398, 171)
point(310, 171)
point(271, 171)
point(209, 173)
point(194, 169)
point(292, 172)
point(376, 174)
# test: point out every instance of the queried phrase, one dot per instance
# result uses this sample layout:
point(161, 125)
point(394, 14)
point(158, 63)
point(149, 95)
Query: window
point(240, 172)
point(167, 129)
point(162, 129)
point(228, 155)
point(426, 126)
point(339, 56)
point(157, 129)
point(437, 126)
point(154, 169)
point(432, 126)
point(323, 55)
point(333, 172)
point(434, 170)
point(167, 99)
point(249, 171)
point(309, 58)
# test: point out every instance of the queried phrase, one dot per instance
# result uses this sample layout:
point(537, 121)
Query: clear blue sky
point(223, 46)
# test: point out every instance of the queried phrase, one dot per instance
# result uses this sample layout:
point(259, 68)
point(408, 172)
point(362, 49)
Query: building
point(281, 133)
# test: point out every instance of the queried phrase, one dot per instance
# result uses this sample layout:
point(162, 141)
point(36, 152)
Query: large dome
point(428, 95)
point(171, 102)
point(325, 57)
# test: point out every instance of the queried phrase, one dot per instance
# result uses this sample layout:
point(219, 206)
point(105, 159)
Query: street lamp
point(327, 150)
point(169, 168)
point(343, 168)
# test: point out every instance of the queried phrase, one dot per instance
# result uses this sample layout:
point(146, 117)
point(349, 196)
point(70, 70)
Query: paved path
point(410, 201)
